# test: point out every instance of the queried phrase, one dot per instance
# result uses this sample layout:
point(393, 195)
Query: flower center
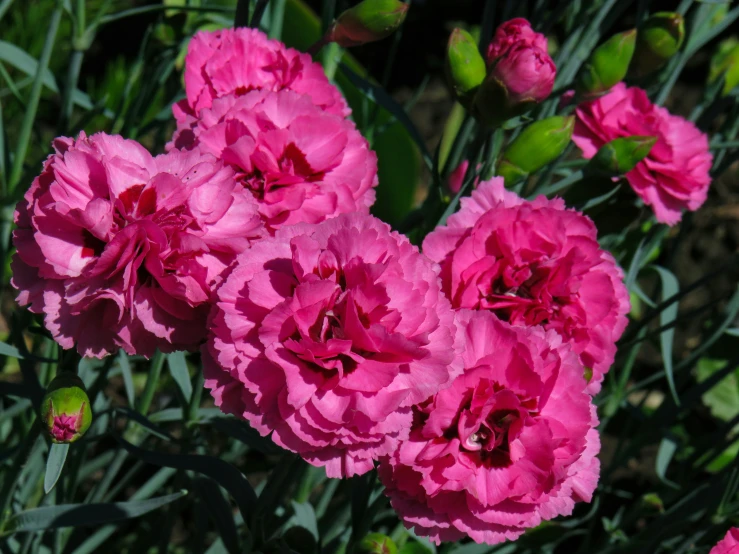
point(267, 181)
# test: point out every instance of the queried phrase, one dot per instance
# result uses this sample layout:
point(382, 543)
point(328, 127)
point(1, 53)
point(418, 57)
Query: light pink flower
point(511, 33)
point(301, 163)
point(675, 175)
point(121, 249)
point(517, 58)
point(325, 335)
point(533, 263)
point(512, 442)
point(237, 61)
point(729, 544)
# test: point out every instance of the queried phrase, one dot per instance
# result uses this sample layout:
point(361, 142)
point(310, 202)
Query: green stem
point(152, 380)
point(161, 8)
point(34, 97)
point(278, 17)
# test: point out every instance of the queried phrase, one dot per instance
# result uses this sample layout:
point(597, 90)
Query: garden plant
point(343, 277)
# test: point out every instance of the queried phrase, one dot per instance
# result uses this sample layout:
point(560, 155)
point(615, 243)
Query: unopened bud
point(465, 67)
point(607, 64)
point(658, 39)
point(620, 155)
point(65, 409)
point(377, 543)
point(725, 62)
point(368, 21)
point(538, 145)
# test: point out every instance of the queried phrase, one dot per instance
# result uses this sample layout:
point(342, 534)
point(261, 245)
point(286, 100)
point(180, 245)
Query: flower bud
point(620, 155)
point(538, 144)
point(658, 39)
point(725, 62)
point(465, 67)
point(65, 409)
point(608, 64)
point(377, 543)
point(517, 82)
point(368, 21)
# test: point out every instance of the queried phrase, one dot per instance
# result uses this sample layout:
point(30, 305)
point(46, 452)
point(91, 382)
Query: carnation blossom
point(510, 443)
point(514, 32)
point(729, 544)
point(675, 175)
point(237, 61)
point(121, 249)
point(301, 163)
point(533, 263)
point(517, 58)
point(325, 335)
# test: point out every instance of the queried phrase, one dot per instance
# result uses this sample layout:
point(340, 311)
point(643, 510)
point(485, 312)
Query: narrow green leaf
point(723, 398)
point(665, 453)
point(178, 369)
point(305, 517)
point(220, 471)
point(242, 432)
point(54, 465)
point(76, 515)
point(670, 287)
point(8, 350)
point(26, 63)
point(127, 375)
point(220, 511)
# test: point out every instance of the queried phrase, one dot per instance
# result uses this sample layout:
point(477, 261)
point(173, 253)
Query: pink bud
point(65, 427)
point(514, 32)
point(526, 72)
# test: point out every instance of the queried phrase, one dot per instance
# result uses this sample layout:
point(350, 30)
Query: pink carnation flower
point(511, 33)
point(512, 442)
point(120, 249)
point(729, 544)
point(534, 263)
point(302, 164)
point(325, 335)
point(675, 175)
point(237, 61)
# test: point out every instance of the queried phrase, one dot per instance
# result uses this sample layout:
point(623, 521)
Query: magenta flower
point(512, 442)
point(325, 335)
point(237, 61)
point(121, 249)
point(729, 544)
point(301, 163)
point(675, 175)
point(518, 60)
point(534, 263)
point(64, 427)
point(514, 32)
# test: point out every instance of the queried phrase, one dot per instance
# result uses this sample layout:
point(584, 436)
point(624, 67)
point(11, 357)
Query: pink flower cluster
point(675, 174)
point(466, 370)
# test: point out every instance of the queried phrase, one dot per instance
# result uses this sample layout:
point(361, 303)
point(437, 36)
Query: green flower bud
point(620, 155)
point(725, 62)
point(377, 543)
point(607, 64)
point(368, 21)
point(465, 67)
point(659, 38)
point(491, 105)
point(538, 144)
point(65, 409)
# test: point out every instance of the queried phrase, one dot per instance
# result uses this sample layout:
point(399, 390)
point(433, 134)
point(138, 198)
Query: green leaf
point(305, 517)
point(178, 369)
point(665, 453)
point(26, 63)
point(220, 471)
point(670, 287)
point(76, 515)
point(54, 465)
point(220, 511)
point(8, 350)
point(125, 366)
point(722, 399)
